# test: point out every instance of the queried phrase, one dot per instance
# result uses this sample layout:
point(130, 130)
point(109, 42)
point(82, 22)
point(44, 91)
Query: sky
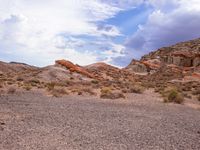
point(38, 32)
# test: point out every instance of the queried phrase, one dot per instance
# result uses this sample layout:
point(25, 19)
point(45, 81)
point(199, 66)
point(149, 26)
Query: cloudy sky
point(38, 32)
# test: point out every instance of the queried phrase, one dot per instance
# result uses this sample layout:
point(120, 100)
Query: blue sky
point(87, 31)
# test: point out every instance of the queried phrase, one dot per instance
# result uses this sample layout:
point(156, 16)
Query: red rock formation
point(196, 75)
point(151, 65)
point(74, 68)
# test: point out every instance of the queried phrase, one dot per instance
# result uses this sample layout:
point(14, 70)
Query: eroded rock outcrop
point(147, 66)
point(184, 55)
point(74, 68)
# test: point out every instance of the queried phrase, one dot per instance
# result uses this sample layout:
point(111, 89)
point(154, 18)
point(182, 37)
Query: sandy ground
point(37, 122)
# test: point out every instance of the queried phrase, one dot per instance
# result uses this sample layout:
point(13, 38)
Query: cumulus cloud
point(170, 22)
point(42, 31)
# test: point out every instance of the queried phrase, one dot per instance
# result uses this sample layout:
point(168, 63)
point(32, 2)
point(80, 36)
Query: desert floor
point(37, 122)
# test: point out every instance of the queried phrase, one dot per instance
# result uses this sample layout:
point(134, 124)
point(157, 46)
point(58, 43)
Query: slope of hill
point(14, 67)
point(177, 65)
point(185, 55)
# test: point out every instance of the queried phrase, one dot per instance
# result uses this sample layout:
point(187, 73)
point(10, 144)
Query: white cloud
point(34, 29)
point(171, 22)
point(124, 4)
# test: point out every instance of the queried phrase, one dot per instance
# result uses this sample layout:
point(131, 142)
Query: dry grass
point(33, 82)
point(137, 89)
point(59, 92)
point(88, 90)
point(50, 86)
point(173, 96)
point(27, 87)
point(106, 90)
point(107, 93)
point(82, 90)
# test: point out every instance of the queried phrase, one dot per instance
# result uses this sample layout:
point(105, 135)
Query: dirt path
point(36, 122)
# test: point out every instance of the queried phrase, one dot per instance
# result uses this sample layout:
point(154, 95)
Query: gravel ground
point(36, 122)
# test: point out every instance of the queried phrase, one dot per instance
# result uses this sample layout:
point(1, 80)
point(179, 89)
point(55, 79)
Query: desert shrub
point(198, 98)
point(112, 95)
point(58, 92)
point(11, 90)
point(33, 82)
point(20, 79)
point(196, 91)
point(10, 82)
point(107, 93)
point(27, 87)
point(95, 81)
point(81, 90)
point(186, 88)
point(137, 89)
point(80, 93)
point(173, 96)
point(159, 89)
point(187, 95)
point(125, 90)
point(106, 90)
point(88, 90)
point(50, 86)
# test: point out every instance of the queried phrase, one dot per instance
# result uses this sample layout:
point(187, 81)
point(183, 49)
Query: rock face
point(182, 58)
point(147, 66)
point(103, 71)
point(137, 66)
point(74, 68)
point(185, 54)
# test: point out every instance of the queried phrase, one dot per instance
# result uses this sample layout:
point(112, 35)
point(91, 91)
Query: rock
point(137, 66)
point(185, 54)
point(74, 68)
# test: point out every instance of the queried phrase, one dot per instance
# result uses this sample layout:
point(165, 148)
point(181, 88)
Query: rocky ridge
point(177, 65)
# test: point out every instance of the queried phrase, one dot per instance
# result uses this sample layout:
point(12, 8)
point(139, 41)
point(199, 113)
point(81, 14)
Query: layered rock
point(185, 54)
point(137, 66)
point(147, 66)
point(74, 68)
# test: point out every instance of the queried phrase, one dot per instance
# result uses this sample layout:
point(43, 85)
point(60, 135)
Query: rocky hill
point(177, 65)
point(184, 56)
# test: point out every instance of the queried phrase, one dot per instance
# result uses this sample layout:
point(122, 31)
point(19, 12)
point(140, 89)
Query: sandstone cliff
point(183, 55)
